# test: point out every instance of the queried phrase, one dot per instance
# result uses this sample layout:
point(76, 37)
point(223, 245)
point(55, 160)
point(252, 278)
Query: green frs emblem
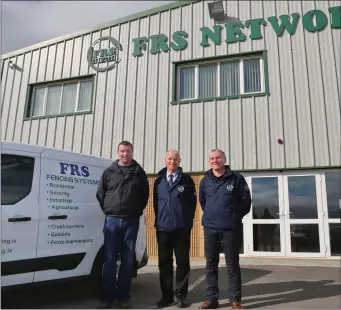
point(103, 54)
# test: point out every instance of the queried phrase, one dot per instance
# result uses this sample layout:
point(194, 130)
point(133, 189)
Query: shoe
point(104, 305)
point(210, 304)
point(124, 305)
point(236, 305)
point(181, 304)
point(164, 303)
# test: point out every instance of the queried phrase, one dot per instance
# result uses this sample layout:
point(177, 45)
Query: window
point(60, 98)
point(16, 178)
point(220, 78)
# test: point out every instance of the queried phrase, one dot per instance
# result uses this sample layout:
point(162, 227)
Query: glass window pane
point(305, 238)
point(16, 178)
point(302, 197)
point(267, 237)
point(229, 79)
point(333, 189)
point(69, 98)
point(252, 76)
point(265, 198)
point(38, 101)
point(208, 81)
point(187, 83)
point(85, 96)
point(53, 99)
point(335, 244)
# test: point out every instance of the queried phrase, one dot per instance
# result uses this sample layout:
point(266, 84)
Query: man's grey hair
point(173, 151)
point(220, 151)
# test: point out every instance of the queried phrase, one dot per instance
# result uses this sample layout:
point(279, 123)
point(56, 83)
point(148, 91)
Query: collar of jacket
point(115, 167)
point(227, 173)
point(163, 172)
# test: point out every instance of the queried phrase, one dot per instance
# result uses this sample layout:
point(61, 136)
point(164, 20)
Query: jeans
point(228, 242)
point(178, 241)
point(119, 238)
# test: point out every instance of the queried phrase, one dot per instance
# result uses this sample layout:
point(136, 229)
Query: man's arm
point(202, 198)
point(101, 190)
point(144, 190)
point(192, 199)
point(244, 196)
point(155, 200)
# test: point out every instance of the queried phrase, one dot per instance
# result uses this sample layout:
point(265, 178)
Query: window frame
point(177, 65)
point(34, 86)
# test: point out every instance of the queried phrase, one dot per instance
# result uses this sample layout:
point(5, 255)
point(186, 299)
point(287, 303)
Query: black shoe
point(164, 303)
point(104, 305)
point(181, 304)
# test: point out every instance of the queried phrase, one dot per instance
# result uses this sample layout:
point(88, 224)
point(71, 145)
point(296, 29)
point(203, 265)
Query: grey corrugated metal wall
point(133, 101)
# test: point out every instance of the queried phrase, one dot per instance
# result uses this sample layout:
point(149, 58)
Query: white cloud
point(29, 22)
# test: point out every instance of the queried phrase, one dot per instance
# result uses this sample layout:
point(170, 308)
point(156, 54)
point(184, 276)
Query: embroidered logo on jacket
point(229, 188)
point(181, 189)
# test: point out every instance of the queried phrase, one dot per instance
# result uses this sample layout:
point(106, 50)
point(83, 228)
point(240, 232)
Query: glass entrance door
point(303, 215)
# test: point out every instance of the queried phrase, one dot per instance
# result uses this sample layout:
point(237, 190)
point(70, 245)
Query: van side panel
point(71, 221)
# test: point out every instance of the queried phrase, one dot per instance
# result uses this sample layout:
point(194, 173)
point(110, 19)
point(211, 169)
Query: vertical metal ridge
point(94, 106)
point(28, 79)
point(72, 51)
point(179, 105)
point(168, 80)
point(295, 95)
point(281, 95)
point(203, 102)
point(104, 104)
point(47, 57)
point(125, 84)
point(145, 102)
point(5, 87)
point(10, 99)
point(39, 120)
point(191, 104)
point(323, 91)
point(61, 76)
point(18, 100)
point(135, 94)
point(309, 94)
point(114, 102)
point(157, 100)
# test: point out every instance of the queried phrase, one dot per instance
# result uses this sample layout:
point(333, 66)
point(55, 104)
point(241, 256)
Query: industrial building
point(258, 79)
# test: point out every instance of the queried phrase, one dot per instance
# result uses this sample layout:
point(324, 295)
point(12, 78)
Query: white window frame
point(218, 62)
point(61, 83)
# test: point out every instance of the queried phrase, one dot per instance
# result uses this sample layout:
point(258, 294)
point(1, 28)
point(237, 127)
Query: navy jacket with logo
point(174, 206)
point(224, 200)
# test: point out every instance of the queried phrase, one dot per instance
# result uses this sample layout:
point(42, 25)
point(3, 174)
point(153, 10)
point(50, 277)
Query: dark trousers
point(119, 239)
point(178, 241)
point(229, 243)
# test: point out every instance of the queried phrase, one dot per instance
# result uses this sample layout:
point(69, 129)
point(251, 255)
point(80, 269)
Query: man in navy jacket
point(174, 206)
point(225, 199)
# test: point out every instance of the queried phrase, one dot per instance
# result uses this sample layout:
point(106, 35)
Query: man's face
point(125, 154)
point(217, 160)
point(172, 161)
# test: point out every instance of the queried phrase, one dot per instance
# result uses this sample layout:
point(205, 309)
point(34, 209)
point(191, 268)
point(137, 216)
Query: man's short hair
point(220, 151)
point(173, 151)
point(126, 143)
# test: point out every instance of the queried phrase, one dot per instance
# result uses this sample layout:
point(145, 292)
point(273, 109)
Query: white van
point(51, 222)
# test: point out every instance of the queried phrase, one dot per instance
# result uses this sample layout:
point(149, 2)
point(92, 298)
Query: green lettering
point(180, 43)
point(159, 43)
point(255, 27)
point(285, 23)
point(308, 20)
point(336, 16)
point(139, 45)
point(234, 32)
point(208, 33)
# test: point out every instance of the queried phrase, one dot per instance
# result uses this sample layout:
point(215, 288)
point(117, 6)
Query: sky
point(25, 23)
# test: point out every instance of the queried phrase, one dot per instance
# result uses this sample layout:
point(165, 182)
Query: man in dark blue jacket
point(225, 199)
point(174, 205)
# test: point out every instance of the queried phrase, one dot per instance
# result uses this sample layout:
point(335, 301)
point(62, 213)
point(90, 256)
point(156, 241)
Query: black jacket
point(225, 200)
point(123, 195)
point(174, 206)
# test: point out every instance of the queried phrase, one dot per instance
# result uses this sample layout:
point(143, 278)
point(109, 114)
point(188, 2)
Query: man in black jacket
point(225, 199)
point(123, 194)
point(174, 207)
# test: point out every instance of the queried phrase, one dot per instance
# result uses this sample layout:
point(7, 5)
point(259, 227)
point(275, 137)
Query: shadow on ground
point(146, 291)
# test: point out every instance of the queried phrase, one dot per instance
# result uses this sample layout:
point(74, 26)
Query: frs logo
point(73, 169)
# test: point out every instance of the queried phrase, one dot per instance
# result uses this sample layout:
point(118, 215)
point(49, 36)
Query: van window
point(16, 178)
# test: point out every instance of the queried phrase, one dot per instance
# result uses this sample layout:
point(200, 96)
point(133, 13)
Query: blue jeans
point(227, 242)
point(119, 238)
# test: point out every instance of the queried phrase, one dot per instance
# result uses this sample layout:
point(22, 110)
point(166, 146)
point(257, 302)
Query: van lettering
point(74, 169)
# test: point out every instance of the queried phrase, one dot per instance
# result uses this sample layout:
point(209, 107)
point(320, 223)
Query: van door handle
point(19, 219)
point(57, 217)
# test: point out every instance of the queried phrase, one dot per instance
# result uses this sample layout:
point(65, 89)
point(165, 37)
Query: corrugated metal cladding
point(133, 101)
